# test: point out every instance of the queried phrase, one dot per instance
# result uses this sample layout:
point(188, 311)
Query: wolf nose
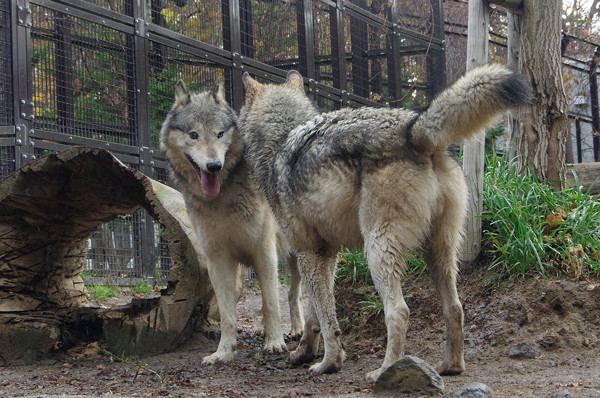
point(213, 167)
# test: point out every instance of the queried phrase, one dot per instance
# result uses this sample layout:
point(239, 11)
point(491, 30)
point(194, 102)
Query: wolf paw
point(447, 369)
point(300, 356)
point(374, 375)
point(218, 358)
point(274, 347)
point(323, 367)
point(296, 332)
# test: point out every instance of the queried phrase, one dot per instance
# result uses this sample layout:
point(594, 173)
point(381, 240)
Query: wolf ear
point(252, 87)
point(294, 80)
point(182, 94)
point(218, 93)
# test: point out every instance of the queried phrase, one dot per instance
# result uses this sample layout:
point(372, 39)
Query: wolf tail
point(469, 105)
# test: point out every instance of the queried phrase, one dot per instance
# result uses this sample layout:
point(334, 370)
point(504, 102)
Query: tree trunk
point(542, 126)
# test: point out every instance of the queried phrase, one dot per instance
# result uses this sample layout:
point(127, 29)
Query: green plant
point(529, 228)
point(143, 287)
point(102, 292)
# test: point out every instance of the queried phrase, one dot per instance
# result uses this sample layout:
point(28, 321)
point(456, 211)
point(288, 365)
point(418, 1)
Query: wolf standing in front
point(371, 177)
point(229, 213)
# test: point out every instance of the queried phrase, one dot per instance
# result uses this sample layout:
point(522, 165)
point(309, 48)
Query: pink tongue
point(210, 184)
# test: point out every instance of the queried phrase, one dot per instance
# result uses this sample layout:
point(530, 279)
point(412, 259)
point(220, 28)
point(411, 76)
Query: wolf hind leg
point(295, 298)
point(265, 266)
point(309, 342)
point(223, 274)
point(318, 272)
point(387, 260)
point(440, 256)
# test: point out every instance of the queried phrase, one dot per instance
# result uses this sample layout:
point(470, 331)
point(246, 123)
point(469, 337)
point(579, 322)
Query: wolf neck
point(266, 126)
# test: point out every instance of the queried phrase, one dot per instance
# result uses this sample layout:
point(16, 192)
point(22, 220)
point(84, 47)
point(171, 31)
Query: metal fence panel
point(102, 73)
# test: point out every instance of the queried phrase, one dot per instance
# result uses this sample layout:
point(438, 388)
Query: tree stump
point(48, 211)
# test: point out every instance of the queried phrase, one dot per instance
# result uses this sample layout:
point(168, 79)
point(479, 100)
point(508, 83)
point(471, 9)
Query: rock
point(563, 394)
point(525, 350)
point(410, 374)
point(474, 390)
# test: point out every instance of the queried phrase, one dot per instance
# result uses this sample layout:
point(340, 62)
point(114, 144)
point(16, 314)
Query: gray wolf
point(376, 178)
point(229, 214)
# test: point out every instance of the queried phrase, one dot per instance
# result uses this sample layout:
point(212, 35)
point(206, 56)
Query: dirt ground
point(561, 316)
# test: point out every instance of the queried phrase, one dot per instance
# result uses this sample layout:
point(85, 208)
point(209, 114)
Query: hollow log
point(48, 211)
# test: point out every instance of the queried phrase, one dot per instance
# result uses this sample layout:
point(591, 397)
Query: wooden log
point(588, 176)
point(48, 211)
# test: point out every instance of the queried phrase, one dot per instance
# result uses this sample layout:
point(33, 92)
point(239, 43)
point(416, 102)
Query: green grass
point(353, 270)
point(102, 292)
point(143, 287)
point(530, 229)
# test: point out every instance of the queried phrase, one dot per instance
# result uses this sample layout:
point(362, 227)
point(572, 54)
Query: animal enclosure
point(101, 73)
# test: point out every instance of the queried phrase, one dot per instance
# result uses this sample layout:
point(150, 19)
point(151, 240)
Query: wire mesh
point(324, 71)
point(167, 66)
point(6, 90)
point(120, 6)
point(82, 77)
point(114, 249)
point(201, 20)
point(270, 32)
point(415, 15)
point(7, 161)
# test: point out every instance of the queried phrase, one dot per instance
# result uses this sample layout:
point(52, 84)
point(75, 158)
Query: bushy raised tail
point(469, 105)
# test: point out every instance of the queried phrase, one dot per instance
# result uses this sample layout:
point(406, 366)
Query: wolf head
point(199, 137)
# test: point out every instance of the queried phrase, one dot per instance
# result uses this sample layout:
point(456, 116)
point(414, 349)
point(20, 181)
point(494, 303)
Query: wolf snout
point(213, 167)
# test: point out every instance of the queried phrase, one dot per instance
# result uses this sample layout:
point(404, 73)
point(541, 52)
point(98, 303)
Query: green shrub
point(143, 287)
point(102, 292)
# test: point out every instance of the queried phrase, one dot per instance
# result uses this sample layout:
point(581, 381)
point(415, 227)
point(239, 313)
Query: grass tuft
point(102, 292)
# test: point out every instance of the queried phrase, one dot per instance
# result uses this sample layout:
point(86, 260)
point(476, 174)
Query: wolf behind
point(376, 178)
point(229, 213)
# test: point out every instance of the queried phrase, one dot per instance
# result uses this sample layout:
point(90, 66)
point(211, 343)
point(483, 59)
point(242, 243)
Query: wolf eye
point(194, 135)
point(220, 134)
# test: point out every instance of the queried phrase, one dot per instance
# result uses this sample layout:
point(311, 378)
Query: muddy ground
point(561, 316)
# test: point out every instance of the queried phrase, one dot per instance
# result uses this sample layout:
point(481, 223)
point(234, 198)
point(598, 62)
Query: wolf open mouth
point(208, 181)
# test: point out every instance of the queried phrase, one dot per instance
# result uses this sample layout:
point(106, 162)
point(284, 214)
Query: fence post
point(232, 42)
point(473, 150)
point(23, 106)
point(142, 222)
point(338, 46)
point(306, 38)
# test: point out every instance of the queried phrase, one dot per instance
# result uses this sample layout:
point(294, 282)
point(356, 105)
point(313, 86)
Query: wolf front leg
point(223, 274)
point(295, 298)
point(265, 266)
point(318, 272)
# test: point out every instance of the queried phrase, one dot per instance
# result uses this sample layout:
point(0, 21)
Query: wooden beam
point(511, 5)
point(473, 151)
point(588, 175)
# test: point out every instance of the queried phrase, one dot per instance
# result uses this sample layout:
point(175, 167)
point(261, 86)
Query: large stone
point(408, 375)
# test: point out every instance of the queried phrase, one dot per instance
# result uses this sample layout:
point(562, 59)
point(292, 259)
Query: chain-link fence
point(102, 73)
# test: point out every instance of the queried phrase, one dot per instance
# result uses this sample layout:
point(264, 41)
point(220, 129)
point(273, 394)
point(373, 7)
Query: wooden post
point(473, 151)
point(514, 59)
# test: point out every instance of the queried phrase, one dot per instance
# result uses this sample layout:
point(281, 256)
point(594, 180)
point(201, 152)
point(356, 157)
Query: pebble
point(474, 390)
point(410, 374)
